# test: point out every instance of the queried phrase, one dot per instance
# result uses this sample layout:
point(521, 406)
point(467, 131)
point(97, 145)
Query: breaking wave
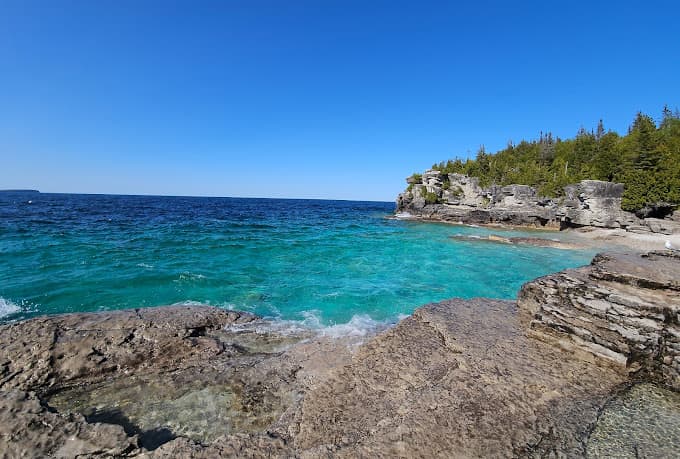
point(360, 326)
point(7, 307)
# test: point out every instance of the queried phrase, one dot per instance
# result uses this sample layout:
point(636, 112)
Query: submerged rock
point(641, 422)
point(532, 241)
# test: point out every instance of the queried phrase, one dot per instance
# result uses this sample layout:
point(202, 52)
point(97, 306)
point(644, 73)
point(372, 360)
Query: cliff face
point(459, 198)
point(624, 308)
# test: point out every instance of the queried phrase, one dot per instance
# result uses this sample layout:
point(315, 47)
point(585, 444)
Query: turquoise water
point(322, 262)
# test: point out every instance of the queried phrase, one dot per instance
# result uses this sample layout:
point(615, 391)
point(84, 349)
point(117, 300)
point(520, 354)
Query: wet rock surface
point(459, 378)
point(641, 422)
point(126, 383)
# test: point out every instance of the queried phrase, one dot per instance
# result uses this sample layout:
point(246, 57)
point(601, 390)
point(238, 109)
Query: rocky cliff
point(459, 198)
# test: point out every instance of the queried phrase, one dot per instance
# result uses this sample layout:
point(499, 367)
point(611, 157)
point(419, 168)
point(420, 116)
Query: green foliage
point(430, 198)
point(646, 161)
point(457, 192)
point(416, 178)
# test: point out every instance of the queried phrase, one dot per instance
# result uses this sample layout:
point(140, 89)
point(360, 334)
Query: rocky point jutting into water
point(547, 376)
point(459, 198)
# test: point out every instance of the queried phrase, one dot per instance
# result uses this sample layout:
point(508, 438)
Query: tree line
point(646, 160)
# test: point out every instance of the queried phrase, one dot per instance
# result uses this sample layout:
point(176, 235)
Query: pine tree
point(646, 161)
point(600, 131)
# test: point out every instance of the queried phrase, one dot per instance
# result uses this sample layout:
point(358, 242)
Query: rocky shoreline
point(458, 198)
point(463, 378)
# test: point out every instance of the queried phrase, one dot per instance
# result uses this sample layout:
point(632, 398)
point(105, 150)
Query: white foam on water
point(189, 276)
point(359, 326)
point(403, 215)
point(190, 303)
point(7, 307)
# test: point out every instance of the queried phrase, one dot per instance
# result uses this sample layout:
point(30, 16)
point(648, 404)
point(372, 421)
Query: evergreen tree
point(646, 161)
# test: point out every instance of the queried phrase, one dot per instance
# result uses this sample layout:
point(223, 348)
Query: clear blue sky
point(325, 99)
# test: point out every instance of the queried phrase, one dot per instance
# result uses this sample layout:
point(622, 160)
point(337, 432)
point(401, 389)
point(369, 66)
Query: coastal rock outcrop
point(459, 198)
point(58, 350)
point(594, 203)
point(456, 379)
point(623, 307)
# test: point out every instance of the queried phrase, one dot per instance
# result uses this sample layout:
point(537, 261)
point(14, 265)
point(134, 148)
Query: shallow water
point(642, 422)
point(319, 262)
point(159, 411)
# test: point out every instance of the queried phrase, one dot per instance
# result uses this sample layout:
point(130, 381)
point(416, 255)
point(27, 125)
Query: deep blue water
point(325, 262)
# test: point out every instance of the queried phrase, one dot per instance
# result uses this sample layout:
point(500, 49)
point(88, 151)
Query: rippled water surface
point(642, 422)
point(322, 262)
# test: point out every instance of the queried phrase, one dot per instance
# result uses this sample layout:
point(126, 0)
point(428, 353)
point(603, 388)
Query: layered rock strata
point(459, 198)
point(624, 308)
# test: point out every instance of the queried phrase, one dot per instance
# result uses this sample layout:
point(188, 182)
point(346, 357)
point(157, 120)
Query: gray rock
point(124, 383)
point(663, 226)
point(595, 203)
point(623, 308)
point(456, 379)
point(588, 203)
point(30, 430)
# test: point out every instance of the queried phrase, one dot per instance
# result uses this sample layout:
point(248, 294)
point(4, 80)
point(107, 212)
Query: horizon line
point(31, 190)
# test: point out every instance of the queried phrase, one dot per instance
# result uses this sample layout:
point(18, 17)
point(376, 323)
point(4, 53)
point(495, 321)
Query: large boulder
point(464, 190)
point(663, 226)
point(595, 203)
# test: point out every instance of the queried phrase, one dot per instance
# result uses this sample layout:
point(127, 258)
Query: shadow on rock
point(149, 439)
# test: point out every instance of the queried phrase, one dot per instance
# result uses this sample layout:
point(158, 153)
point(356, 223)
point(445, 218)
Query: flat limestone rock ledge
point(123, 383)
point(622, 307)
point(456, 379)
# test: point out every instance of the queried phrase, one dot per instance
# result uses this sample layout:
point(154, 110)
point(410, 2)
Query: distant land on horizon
point(19, 191)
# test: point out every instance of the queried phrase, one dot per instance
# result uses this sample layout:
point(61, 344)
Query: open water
point(328, 264)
